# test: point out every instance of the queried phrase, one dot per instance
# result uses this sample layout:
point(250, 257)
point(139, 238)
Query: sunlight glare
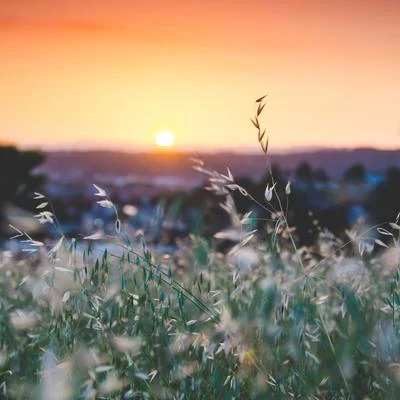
point(165, 139)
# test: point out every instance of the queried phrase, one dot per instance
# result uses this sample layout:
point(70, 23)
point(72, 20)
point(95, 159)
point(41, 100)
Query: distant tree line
point(311, 200)
point(17, 178)
point(312, 207)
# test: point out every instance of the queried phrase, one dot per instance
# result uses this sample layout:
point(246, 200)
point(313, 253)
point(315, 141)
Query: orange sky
point(110, 74)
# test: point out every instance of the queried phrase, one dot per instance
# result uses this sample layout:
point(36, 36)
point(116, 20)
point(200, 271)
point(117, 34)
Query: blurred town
point(161, 194)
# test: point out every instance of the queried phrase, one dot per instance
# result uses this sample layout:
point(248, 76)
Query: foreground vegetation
point(102, 317)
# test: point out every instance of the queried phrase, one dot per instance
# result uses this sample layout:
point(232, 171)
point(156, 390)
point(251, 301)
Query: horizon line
point(242, 151)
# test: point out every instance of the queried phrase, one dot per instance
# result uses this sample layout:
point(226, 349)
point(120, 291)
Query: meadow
point(105, 317)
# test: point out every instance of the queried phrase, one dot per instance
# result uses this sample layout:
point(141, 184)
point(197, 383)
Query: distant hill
point(87, 165)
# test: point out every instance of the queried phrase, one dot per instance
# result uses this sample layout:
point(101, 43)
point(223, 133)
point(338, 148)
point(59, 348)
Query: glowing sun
point(165, 139)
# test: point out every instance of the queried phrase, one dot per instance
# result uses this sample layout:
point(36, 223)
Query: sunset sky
point(111, 74)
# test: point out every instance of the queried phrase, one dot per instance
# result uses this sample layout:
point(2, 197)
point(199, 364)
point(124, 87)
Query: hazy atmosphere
point(101, 74)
